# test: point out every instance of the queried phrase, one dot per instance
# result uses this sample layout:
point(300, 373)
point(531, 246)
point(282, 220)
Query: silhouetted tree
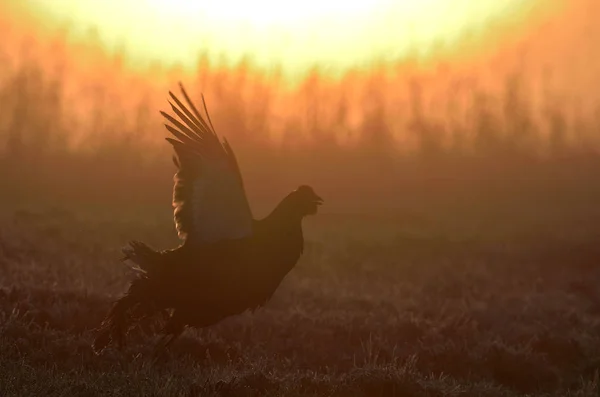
point(487, 140)
point(427, 132)
point(519, 133)
point(375, 134)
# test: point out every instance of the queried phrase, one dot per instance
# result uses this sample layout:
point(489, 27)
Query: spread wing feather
point(209, 200)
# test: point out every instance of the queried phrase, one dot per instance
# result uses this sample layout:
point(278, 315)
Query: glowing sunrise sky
point(299, 34)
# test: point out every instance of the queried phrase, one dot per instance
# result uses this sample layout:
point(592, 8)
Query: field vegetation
point(456, 254)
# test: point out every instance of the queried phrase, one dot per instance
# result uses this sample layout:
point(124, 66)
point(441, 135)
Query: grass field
point(505, 304)
point(457, 253)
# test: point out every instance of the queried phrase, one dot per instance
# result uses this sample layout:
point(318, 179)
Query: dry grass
point(475, 273)
point(377, 307)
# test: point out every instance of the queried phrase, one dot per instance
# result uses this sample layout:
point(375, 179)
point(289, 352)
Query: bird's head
point(304, 200)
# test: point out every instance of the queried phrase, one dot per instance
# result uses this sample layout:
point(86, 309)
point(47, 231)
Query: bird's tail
point(137, 303)
point(142, 259)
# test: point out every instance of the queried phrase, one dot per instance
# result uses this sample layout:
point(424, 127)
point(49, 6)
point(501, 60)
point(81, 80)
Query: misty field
point(472, 303)
point(457, 252)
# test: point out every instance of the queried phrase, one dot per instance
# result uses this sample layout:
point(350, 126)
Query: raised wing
point(209, 200)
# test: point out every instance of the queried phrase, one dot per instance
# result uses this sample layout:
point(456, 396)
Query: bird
point(228, 262)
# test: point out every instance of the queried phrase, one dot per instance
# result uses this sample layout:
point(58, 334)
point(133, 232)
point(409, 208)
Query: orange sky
point(435, 27)
point(559, 53)
point(335, 34)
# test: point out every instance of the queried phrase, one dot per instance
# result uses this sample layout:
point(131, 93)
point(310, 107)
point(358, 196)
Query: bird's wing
point(209, 200)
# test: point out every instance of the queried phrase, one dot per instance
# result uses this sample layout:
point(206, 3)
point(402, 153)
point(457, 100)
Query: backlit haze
point(456, 146)
point(298, 35)
point(323, 92)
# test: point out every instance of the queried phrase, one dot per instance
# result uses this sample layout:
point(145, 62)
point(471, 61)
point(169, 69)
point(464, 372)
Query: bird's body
point(229, 262)
point(248, 273)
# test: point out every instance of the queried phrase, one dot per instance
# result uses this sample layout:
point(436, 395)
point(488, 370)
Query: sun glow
point(334, 34)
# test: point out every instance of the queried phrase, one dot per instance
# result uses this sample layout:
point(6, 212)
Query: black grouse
point(228, 262)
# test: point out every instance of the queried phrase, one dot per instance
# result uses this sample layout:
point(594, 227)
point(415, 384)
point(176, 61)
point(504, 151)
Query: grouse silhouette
point(228, 262)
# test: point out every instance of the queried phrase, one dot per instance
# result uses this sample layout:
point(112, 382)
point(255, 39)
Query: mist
point(517, 116)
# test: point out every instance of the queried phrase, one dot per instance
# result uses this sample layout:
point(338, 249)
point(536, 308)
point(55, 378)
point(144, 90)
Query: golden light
point(334, 34)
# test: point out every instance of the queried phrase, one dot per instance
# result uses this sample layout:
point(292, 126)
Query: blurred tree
point(520, 131)
point(375, 134)
point(486, 128)
point(429, 134)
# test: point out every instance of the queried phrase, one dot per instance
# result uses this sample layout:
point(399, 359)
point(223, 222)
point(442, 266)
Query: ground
point(461, 304)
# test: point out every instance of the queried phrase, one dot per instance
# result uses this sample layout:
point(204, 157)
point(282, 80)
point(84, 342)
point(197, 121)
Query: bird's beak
point(318, 200)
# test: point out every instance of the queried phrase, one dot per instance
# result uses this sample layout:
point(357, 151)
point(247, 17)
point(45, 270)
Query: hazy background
point(502, 121)
point(456, 254)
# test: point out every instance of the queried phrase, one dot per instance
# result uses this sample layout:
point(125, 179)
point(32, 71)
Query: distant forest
point(369, 141)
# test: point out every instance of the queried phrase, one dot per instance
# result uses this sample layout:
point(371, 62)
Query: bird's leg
point(120, 339)
point(172, 330)
point(113, 328)
point(168, 339)
point(161, 347)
